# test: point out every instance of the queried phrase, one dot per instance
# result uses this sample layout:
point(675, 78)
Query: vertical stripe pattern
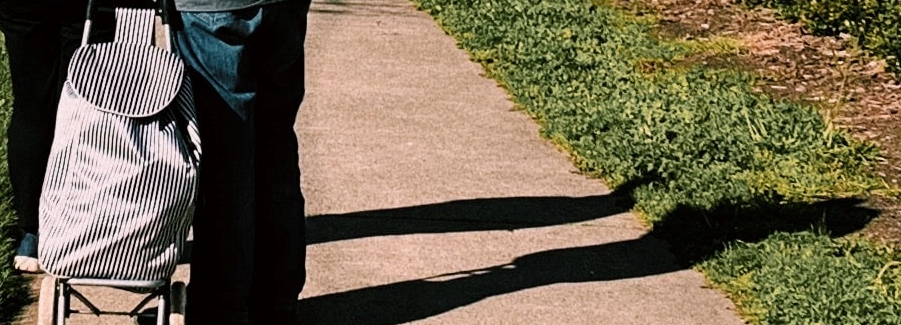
point(128, 79)
point(134, 26)
point(121, 181)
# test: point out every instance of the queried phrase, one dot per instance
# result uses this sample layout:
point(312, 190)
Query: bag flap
point(127, 79)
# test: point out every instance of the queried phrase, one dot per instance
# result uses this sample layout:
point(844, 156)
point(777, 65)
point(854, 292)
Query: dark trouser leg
point(222, 257)
point(249, 225)
point(260, 251)
point(279, 272)
point(37, 57)
point(40, 39)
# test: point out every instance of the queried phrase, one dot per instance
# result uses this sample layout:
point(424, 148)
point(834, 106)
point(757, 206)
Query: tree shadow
point(407, 301)
point(462, 215)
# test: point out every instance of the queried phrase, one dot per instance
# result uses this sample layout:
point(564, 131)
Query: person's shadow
point(411, 300)
point(463, 215)
point(689, 233)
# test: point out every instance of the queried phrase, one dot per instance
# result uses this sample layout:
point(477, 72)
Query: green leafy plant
point(824, 281)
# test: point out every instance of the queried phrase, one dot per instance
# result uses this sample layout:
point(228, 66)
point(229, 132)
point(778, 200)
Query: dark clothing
point(247, 265)
point(40, 37)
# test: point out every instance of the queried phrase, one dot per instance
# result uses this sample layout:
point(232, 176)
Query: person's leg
point(38, 55)
point(222, 252)
point(279, 272)
point(280, 228)
point(272, 43)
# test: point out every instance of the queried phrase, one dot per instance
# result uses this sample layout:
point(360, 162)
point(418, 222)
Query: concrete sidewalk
point(431, 201)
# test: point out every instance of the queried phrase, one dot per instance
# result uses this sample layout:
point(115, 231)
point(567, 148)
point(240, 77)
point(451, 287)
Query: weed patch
point(810, 278)
point(677, 135)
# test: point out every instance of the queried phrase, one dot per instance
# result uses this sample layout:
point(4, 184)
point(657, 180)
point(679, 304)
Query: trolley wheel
point(47, 302)
point(177, 295)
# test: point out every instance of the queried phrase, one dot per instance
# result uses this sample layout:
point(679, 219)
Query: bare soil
point(851, 88)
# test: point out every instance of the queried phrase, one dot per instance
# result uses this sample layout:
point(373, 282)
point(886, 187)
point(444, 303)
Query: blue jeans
point(247, 265)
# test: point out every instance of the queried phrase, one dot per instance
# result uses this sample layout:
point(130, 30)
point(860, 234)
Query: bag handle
point(160, 7)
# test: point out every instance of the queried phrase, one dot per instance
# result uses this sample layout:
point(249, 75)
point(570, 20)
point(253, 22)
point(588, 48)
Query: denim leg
point(222, 255)
point(279, 278)
point(280, 244)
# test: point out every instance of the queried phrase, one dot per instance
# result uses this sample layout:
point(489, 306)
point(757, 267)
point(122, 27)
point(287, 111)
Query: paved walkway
point(432, 201)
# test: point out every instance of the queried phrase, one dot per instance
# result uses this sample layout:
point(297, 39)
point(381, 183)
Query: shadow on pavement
point(411, 300)
point(692, 235)
point(463, 215)
point(402, 302)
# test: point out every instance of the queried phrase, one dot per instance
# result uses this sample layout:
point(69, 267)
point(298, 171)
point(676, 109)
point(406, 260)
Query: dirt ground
point(853, 90)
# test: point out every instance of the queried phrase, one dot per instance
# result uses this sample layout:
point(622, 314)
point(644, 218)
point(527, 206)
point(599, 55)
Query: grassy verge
point(13, 292)
point(808, 278)
point(708, 163)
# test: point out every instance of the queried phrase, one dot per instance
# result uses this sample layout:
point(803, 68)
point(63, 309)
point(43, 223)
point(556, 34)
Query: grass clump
point(810, 278)
point(602, 85)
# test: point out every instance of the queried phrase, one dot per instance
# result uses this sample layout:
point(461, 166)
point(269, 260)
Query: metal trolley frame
point(56, 294)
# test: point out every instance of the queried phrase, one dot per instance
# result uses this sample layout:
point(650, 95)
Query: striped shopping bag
point(119, 191)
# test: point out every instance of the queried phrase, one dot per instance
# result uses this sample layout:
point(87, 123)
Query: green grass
point(708, 163)
point(809, 278)
point(13, 290)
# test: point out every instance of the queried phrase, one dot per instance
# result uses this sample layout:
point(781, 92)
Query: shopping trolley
point(118, 195)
